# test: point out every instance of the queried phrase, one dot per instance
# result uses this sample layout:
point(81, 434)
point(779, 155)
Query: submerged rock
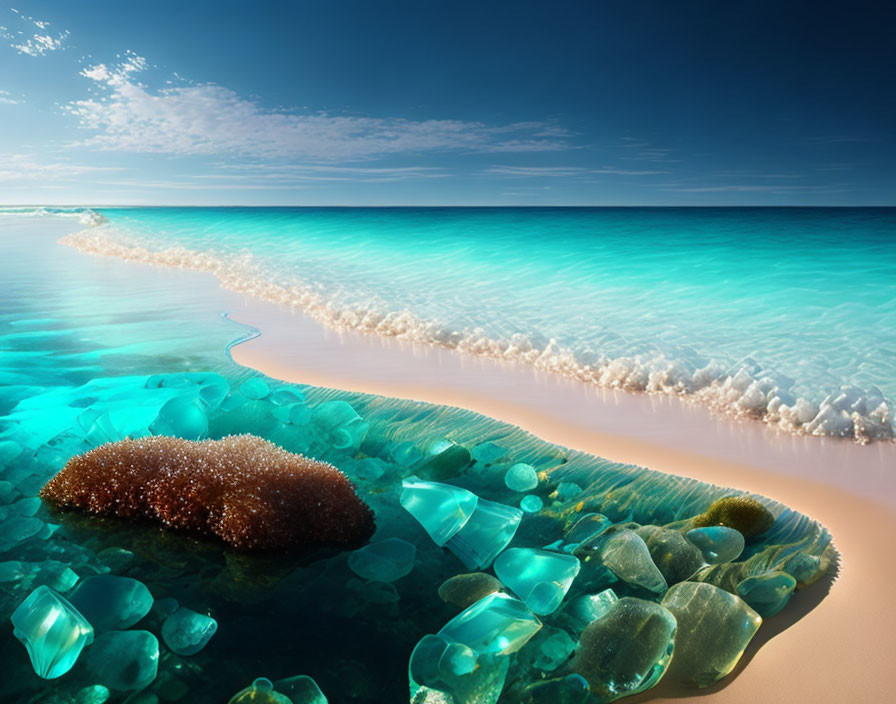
point(465, 589)
point(627, 650)
point(261, 691)
point(767, 593)
point(124, 660)
point(383, 561)
point(714, 628)
point(718, 544)
point(521, 477)
point(52, 630)
point(187, 632)
point(531, 503)
point(447, 464)
point(112, 603)
point(539, 577)
point(572, 689)
point(626, 555)
point(675, 557)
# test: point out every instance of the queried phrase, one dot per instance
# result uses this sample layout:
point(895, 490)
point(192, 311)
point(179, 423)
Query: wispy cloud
point(566, 171)
point(35, 39)
point(321, 172)
point(750, 188)
point(212, 119)
point(7, 99)
point(22, 167)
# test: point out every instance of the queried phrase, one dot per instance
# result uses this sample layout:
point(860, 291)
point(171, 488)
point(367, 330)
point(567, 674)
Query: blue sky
point(429, 102)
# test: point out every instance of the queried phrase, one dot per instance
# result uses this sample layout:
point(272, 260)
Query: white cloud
point(31, 42)
point(7, 99)
point(566, 171)
point(15, 168)
point(211, 119)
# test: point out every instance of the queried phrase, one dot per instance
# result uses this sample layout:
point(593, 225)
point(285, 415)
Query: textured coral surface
point(245, 490)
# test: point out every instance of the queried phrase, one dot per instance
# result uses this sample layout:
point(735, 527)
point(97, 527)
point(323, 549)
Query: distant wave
point(86, 216)
point(742, 391)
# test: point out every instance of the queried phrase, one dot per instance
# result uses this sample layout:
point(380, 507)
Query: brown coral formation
point(243, 489)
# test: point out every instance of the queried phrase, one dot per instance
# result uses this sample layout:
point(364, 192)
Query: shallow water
point(95, 349)
point(786, 314)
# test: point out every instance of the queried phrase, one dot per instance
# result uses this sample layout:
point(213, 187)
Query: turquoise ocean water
point(94, 350)
point(783, 314)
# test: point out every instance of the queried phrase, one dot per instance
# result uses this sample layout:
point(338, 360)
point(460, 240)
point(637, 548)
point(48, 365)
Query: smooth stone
point(496, 624)
point(714, 628)
point(124, 660)
point(461, 675)
point(112, 603)
point(676, 557)
point(488, 452)
point(441, 509)
point(447, 464)
point(187, 632)
point(554, 650)
point(261, 691)
point(301, 690)
point(627, 556)
point(567, 491)
point(718, 544)
point(539, 577)
point(582, 610)
point(255, 389)
point(521, 477)
point(94, 694)
point(572, 689)
point(488, 531)
point(531, 503)
point(767, 593)
point(627, 650)
point(465, 589)
point(383, 561)
point(52, 630)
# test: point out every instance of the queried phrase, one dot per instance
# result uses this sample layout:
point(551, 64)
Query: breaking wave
point(742, 390)
point(86, 216)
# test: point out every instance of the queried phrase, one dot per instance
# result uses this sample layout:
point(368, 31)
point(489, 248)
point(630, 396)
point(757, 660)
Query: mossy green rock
point(674, 555)
point(464, 590)
point(714, 628)
point(742, 513)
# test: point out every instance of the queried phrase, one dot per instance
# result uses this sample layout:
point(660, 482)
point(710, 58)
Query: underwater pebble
point(110, 602)
point(261, 691)
point(383, 561)
point(465, 589)
point(255, 389)
point(718, 544)
point(521, 477)
point(124, 660)
point(531, 503)
point(187, 632)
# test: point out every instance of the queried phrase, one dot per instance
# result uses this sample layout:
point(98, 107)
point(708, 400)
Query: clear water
point(94, 350)
point(785, 314)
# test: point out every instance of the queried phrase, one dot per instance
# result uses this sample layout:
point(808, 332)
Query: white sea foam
point(744, 390)
point(86, 216)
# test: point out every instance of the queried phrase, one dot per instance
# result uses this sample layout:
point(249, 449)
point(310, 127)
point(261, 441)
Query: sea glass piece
point(714, 628)
point(93, 694)
point(572, 689)
point(184, 417)
point(17, 530)
point(588, 526)
point(717, 543)
point(539, 577)
point(674, 555)
point(339, 424)
point(767, 593)
point(261, 691)
point(187, 632)
point(52, 630)
point(440, 666)
point(521, 477)
point(446, 464)
point(255, 389)
point(531, 503)
point(554, 650)
point(567, 491)
point(584, 609)
point(465, 589)
point(110, 602)
point(441, 509)
point(383, 561)
point(124, 660)
point(489, 530)
point(496, 624)
point(487, 452)
point(627, 650)
point(300, 690)
point(625, 554)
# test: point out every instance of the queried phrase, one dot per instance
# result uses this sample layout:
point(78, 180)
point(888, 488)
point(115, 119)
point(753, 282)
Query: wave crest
point(86, 216)
point(744, 390)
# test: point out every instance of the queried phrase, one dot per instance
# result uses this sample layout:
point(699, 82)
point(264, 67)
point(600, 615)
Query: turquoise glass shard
point(441, 509)
point(339, 424)
point(714, 628)
point(383, 561)
point(768, 593)
point(496, 624)
point(488, 531)
point(521, 477)
point(124, 660)
point(255, 389)
point(539, 577)
point(625, 554)
point(300, 690)
point(627, 650)
point(554, 650)
point(531, 503)
point(94, 694)
point(588, 526)
point(446, 671)
point(581, 611)
point(52, 630)
point(448, 463)
point(112, 603)
point(572, 689)
point(717, 543)
point(187, 632)
point(261, 691)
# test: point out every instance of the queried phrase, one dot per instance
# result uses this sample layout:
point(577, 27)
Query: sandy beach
point(836, 639)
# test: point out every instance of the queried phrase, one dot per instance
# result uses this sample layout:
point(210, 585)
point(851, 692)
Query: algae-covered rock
point(742, 513)
point(675, 557)
point(261, 691)
point(465, 589)
point(627, 650)
point(714, 628)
